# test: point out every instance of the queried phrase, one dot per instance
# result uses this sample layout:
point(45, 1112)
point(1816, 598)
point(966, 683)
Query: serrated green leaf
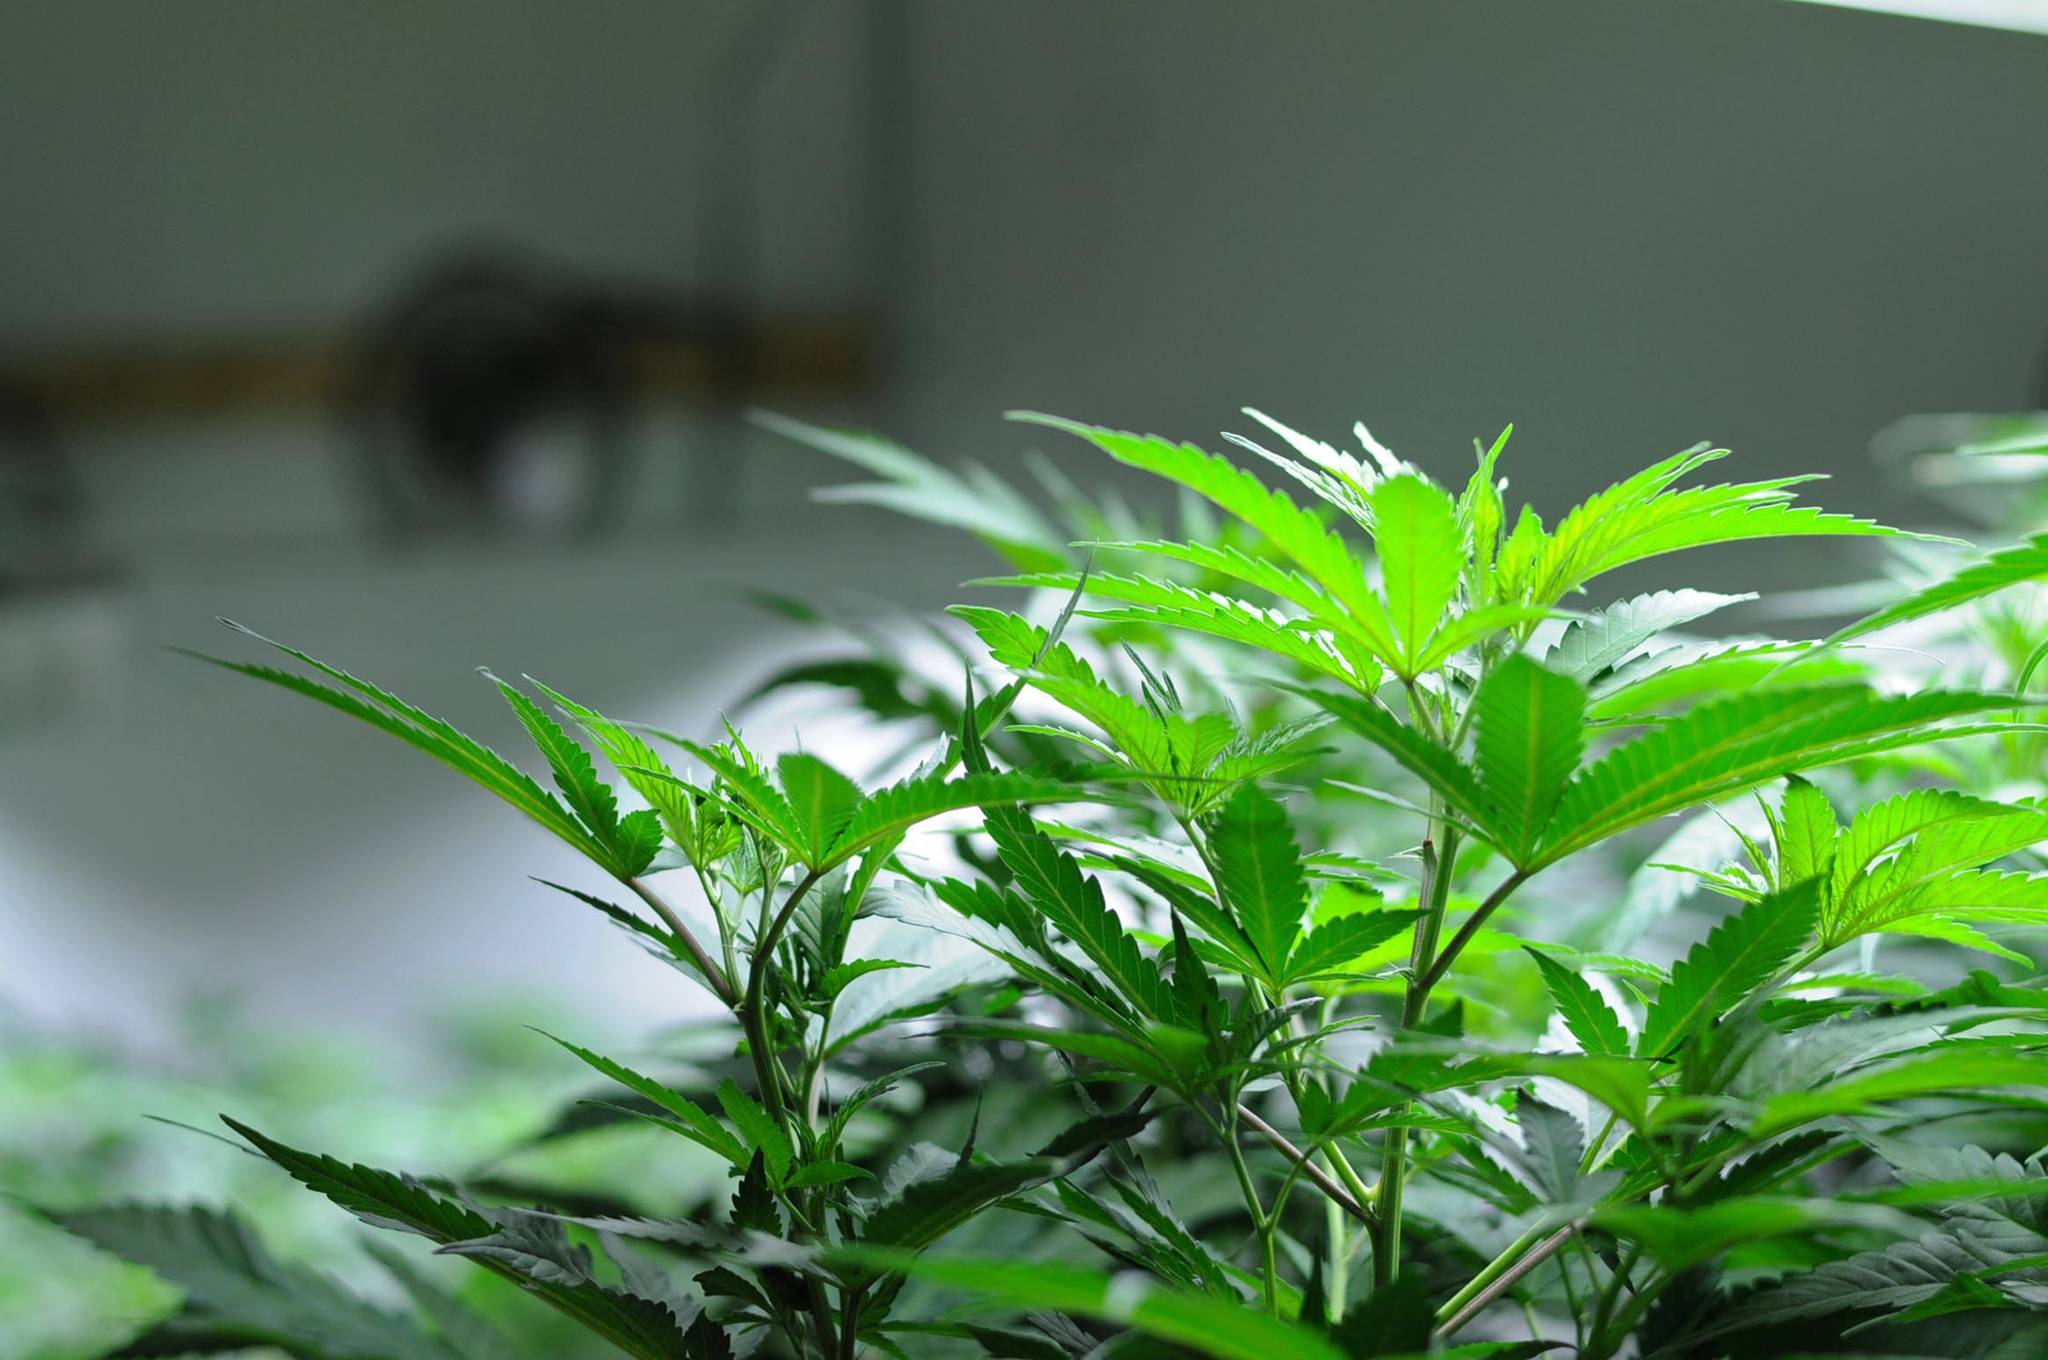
point(753, 1200)
point(972, 499)
point(2005, 568)
point(1553, 1145)
point(1208, 1325)
point(1531, 730)
point(929, 1209)
point(1606, 638)
point(836, 978)
point(1727, 745)
point(763, 1133)
point(1259, 873)
point(1052, 882)
point(644, 1330)
point(1678, 1238)
point(1297, 534)
point(1586, 1013)
point(1171, 605)
point(1422, 554)
point(821, 800)
point(1999, 1239)
point(1944, 835)
point(1395, 1320)
point(1739, 955)
point(749, 795)
point(826, 1173)
point(861, 1096)
point(1342, 941)
point(692, 1121)
point(630, 754)
point(1806, 832)
point(1643, 517)
point(234, 1285)
point(1437, 767)
point(422, 731)
point(1932, 1075)
point(896, 809)
point(635, 842)
point(379, 1198)
point(589, 797)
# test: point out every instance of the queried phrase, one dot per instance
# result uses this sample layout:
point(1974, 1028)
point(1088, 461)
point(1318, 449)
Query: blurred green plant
point(1251, 923)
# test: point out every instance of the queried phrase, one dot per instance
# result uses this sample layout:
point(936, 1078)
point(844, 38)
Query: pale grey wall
point(1624, 225)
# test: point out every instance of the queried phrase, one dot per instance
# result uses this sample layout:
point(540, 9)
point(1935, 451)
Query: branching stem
point(766, 1069)
point(1501, 1274)
point(719, 982)
point(1338, 1194)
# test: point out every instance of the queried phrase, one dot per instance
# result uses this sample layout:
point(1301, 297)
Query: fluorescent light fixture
point(2021, 16)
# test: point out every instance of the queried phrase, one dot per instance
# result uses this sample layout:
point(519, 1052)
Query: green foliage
point(1741, 954)
point(1531, 730)
point(1227, 1062)
point(238, 1295)
point(1999, 571)
point(1259, 873)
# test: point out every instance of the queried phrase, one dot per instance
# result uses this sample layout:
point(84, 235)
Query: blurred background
point(422, 337)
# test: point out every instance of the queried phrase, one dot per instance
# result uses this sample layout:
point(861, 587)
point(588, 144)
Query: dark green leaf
point(1209, 1326)
point(693, 1121)
point(234, 1285)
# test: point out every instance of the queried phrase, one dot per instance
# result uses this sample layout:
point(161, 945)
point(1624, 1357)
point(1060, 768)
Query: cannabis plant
point(1258, 871)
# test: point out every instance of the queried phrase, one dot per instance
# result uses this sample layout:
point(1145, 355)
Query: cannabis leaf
point(1738, 956)
point(1531, 726)
point(1259, 872)
point(2005, 568)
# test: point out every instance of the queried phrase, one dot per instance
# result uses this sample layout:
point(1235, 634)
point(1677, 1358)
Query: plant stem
point(821, 1316)
point(1435, 894)
point(1434, 973)
point(1338, 1273)
point(767, 1072)
point(849, 1321)
point(721, 985)
point(1593, 1148)
point(1611, 1295)
point(1501, 1274)
point(1262, 1224)
point(1337, 1194)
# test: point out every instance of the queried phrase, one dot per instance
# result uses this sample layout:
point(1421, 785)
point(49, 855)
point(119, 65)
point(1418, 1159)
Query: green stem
point(714, 976)
point(821, 1315)
point(1337, 1273)
point(1501, 1274)
point(1443, 961)
point(1262, 1224)
point(1435, 895)
point(1350, 1201)
point(767, 1072)
point(1490, 1272)
point(1610, 1296)
point(849, 1321)
point(1593, 1148)
point(725, 924)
